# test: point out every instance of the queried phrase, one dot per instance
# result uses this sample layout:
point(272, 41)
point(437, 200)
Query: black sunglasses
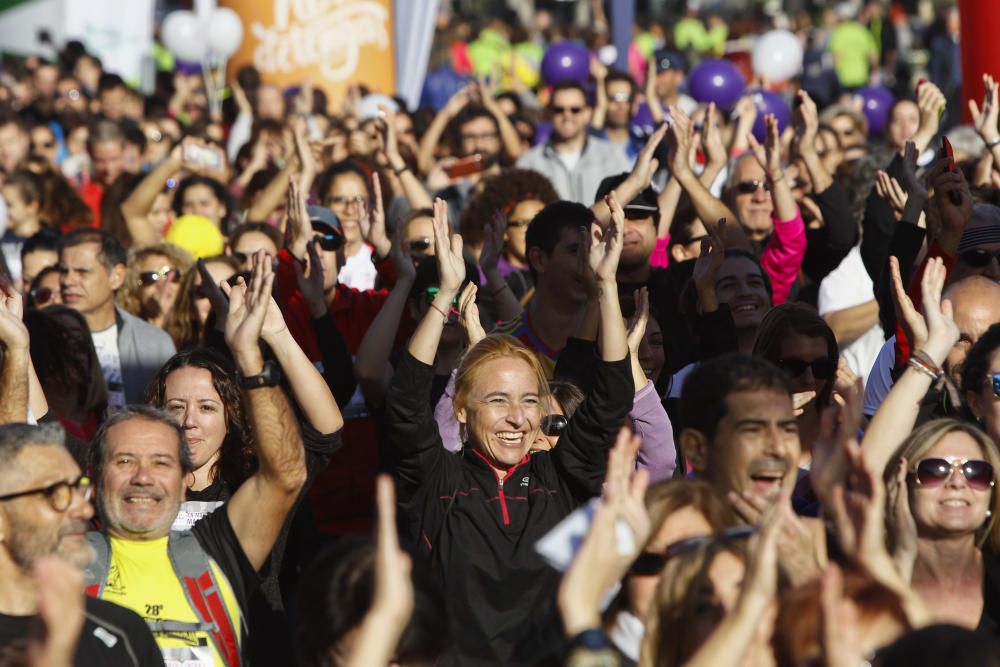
point(936, 471)
point(554, 425)
point(330, 242)
point(148, 278)
point(978, 257)
point(566, 110)
point(41, 296)
point(420, 245)
point(822, 369)
point(749, 187)
point(649, 564)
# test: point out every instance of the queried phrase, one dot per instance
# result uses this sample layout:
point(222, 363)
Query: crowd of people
point(514, 378)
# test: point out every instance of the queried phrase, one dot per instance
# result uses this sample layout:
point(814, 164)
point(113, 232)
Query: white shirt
point(845, 287)
point(106, 346)
point(358, 271)
point(570, 159)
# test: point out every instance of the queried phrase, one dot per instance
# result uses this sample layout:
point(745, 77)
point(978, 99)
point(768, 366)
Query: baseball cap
point(196, 234)
point(667, 60)
point(324, 220)
point(643, 205)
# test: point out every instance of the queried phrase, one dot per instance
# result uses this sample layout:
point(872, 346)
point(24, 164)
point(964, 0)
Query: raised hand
point(218, 300)
point(805, 120)
point(448, 251)
point(606, 251)
point(889, 189)
point(637, 323)
point(645, 164)
point(985, 121)
point(373, 221)
point(679, 143)
point(951, 196)
point(248, 306)
point(13, 333)
point(900, 523)
point(706, 267)
point(393, 598)
point(310, 280)
point(768, 155)
point(931, 102)
point(604, 557)
point(468, 314)
point(942, 332)
point(401, 260)
point(493, 242)
point(715, 150)
point(298, 218)
point(913, 185)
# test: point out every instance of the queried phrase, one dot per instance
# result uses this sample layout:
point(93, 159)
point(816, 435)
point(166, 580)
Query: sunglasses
point(516, 224)
point(420, 245)
point(41, 296)
point(330, 242)
point(822, 369)
point(650, 564)
point(977, 257)
point(749, 187)
point(572, 111)
point(554, 425)
point(996, 383)
point(620, 97)
point(148, 278)
point(935, 472)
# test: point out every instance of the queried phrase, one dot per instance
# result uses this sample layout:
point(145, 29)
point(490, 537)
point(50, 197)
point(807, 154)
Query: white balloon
point(777, 55)
point(225, 32)
point(181, 34)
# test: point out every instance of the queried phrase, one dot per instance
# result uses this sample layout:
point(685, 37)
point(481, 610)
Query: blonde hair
point(495, 346)
point(923, 439)
point(129, 296)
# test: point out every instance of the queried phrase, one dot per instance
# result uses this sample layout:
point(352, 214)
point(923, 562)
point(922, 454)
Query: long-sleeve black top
point(480, 531)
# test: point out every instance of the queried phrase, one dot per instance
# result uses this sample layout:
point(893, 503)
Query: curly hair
point(236, 460)
point(502, 192)
point(129, 296)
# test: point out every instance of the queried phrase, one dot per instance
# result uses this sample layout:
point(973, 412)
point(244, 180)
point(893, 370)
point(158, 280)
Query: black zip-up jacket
point(480, 534)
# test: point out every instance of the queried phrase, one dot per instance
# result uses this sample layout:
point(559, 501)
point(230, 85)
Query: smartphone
point(203, 155)
point(954, 195)
point(466, 166)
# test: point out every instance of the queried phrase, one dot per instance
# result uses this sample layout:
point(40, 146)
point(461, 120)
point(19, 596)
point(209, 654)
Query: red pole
point(980, 46)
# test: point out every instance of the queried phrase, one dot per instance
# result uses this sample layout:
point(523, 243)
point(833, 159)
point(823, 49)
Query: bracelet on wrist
point(919, 362)
point(402, 170)
point(993, 144)
point(443, 314)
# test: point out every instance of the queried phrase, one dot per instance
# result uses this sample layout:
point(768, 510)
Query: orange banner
point(333, 43)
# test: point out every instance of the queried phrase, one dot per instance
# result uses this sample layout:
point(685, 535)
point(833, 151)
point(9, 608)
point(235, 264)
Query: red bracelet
point(443, 314)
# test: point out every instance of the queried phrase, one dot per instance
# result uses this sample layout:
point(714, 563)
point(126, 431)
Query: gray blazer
point(142, 348)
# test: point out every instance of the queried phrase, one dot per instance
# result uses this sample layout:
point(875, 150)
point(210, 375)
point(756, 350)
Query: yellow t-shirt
point(142, 579)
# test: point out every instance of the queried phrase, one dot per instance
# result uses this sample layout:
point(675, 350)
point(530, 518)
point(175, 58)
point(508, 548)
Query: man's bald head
point(976, 304)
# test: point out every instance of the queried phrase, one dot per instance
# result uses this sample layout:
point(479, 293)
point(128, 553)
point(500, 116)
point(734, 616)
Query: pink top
point(782, 257)
point(660, 258)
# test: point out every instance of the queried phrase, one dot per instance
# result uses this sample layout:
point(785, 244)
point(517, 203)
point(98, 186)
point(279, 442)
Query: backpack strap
point(194, 568)
point(96, 574)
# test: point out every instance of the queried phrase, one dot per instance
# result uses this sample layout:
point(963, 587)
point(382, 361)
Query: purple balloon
point(566, 60)
point(767, 102)
point(875, 104)
point(185, 67)
point(718, 81)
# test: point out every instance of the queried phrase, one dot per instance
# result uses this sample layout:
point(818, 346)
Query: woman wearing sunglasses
point(477, 514)
point(940, 478)
point(152, 282)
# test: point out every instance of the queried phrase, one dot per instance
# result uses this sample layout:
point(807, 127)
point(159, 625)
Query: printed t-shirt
point(106, 346)
point(521, 329)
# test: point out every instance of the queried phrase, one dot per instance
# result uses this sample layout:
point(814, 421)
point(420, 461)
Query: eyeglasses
point(822, 369)
point(554, 425)
point(995, 377)
point(936, 471)
point(60, 494)
point(344, 202)
point(572, 111)
point(148, 278)
point(978, 257)
point(649, 564)
point(41, 296)
point(749, 187)
point(330, 242)
point(44, 145)
point(420, 245)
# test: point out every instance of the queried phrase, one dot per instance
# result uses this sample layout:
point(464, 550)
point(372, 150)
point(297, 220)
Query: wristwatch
point(270, 376)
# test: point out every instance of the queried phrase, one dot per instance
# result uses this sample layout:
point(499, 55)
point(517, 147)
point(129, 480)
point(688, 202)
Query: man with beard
point(574, 161)
point(45, 510)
